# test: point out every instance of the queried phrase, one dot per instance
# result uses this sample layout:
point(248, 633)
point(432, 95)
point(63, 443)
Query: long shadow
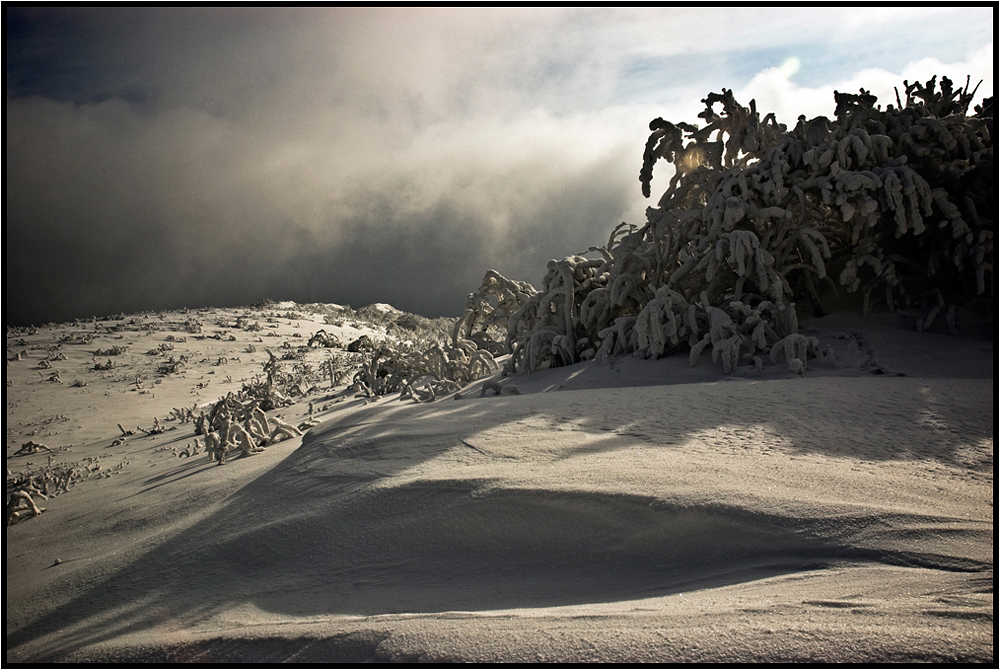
point(194, 466)
point(197, 462)
point(422, 548)
point(318, 534)
point(870, 418)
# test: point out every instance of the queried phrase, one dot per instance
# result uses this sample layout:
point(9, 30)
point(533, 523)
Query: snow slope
point(633, 511)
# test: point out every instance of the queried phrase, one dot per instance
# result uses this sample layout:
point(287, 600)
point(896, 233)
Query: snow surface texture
point(633, 511)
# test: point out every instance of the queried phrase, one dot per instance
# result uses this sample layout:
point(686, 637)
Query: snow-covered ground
point(629, 511)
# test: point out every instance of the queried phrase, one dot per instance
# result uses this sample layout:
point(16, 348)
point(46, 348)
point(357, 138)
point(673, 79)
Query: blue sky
point(163, 157)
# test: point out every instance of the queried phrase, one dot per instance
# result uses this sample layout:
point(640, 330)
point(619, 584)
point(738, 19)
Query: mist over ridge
point(161, 158)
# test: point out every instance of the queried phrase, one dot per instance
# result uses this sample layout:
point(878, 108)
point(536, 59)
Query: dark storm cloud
point(161, 222)
point(161, 157)
point(190, 156)
point(430, 258)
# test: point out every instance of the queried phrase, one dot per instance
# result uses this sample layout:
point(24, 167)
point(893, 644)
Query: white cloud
point(789, 67)
point(774, 92)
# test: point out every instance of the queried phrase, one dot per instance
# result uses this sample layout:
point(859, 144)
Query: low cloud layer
point(164, 157)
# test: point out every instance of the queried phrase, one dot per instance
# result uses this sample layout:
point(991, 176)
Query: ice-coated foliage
point(238, 423)
point(899, 204)
point(423, 373)
point(488, 311)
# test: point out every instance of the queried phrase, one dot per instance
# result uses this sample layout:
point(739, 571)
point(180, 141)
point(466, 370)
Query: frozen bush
point(896, 204)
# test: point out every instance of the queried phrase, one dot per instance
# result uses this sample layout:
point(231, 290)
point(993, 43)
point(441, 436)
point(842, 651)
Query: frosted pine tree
point(898, 205)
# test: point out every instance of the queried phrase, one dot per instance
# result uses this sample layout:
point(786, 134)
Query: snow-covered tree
point(898, 204)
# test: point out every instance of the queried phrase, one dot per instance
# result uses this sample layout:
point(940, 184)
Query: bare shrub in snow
point(20, 506)
point(488, 311)
point(423, 373)
point(322, 339)
point(363, 343)
point(237, 423)
point(113, 351)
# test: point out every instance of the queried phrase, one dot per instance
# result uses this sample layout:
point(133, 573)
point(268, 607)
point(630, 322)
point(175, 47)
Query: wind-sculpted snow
point(579, 498)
